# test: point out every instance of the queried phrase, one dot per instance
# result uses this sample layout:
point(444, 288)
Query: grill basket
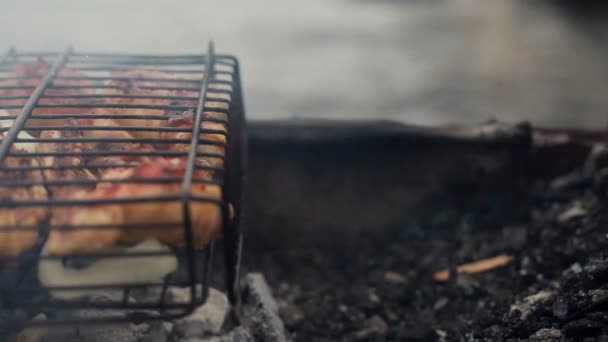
point(81, 86)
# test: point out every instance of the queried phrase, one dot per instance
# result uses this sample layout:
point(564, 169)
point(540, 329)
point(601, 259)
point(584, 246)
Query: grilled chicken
point(19, 223)
point(205, 217)
point(106, 176)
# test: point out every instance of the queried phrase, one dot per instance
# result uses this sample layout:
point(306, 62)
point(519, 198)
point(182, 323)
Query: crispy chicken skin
point(15, 241)
point(205, 217)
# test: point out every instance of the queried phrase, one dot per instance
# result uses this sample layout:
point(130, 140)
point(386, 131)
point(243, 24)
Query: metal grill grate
point(70, 119)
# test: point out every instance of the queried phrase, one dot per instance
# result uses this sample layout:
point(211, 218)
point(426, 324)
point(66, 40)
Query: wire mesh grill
point(111, 161)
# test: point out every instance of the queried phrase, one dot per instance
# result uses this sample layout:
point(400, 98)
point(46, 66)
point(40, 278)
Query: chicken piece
point(63, 167)
point(78, 239)
point(32, 74)
point(132, 88)
point(206, 218)
point(84, 166)
point(185, 120)
point(14, 241)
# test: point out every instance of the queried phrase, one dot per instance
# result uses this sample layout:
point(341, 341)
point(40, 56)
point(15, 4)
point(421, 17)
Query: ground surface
point(558, 281)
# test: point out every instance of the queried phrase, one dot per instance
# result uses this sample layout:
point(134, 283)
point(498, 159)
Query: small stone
point(440, 303)
point(156, 333)
point(576, 268)
point(260, 310)
point(515, 237)
point(599, 295)
point(575, 211)
point(530, 303)
point(467, 284)
point(394, 278)
point(373, 296)
point(239, 334)
point(391, 316)
point(33, 334)
point(343, 308)
point(291, 314)
point(442, 335)
point(377, 325)
point(168, 326)
point(560, 308)
point(415, 331)
point(546, 335)
point(191, 329)
point(207, 318)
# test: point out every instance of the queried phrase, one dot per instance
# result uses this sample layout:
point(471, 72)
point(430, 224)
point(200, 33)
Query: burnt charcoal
point(365, 298)
point(239, 334)
point(291, 315)
point(190, 329)
point(546, 335)
point(157, 332)
point(583, 327)
point(206, 319)
point(515, 237)
point(415, 331)
point(598, 316)
point(600, 182)
point(261, 310)
point(603, 338)
point(560, 308)
point(598, 296)
point(377, 325)
point(555, 285)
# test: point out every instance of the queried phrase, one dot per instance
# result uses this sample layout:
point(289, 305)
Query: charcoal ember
point(365, 298)
point(600, 182)
point(576, 268)
point(260, 311)
point(600, 316)
point(598, 295)
point(515, 237)
point(494, 332)
point(157, 332)
point(239, 334)
point(546, 335)
point(374, 326)
point(468, 284)
point(206, 319)
point(486, 318)
point(146, 294)
point(597, 270)
point(413, 330)
point(291, 314)
point(570, 181)
point(189, 329)
point(556, 281)
point(96, 333)
point(582, 328)
point(560, 308)
point(602, 338)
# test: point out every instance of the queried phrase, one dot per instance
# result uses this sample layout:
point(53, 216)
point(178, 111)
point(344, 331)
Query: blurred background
point(418, 61)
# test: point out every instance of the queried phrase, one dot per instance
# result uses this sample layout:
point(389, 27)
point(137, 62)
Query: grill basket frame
point(220, 75)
